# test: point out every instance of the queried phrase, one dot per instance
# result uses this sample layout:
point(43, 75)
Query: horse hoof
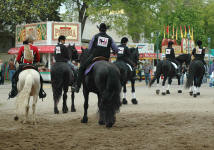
point(56, 111)
point(73, 110)
point(134, 101)
point(16, 118)
point(125, 101)
point(101, 122)
point(163, 93)
point(84, 120)
point(109, 125)
point(179, 91)
point(157, 92)
point(198, 93)
point(65, 109)
point(167, 92)
point(190, 93)
point(194, 95)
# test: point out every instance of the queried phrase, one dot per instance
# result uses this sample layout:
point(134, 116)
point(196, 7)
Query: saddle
point(175, 66)
point(94, 61)
point(29, 66)
point(99, 58)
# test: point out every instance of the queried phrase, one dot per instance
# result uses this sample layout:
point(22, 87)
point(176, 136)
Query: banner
point(37, 30)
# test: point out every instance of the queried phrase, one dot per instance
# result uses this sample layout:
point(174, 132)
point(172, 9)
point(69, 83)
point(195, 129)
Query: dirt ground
point(172, 122)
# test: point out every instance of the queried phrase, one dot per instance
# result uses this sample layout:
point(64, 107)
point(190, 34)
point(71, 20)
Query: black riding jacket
point(101, 45)
point(61, 53)
point(198, 53)
point(170, 54)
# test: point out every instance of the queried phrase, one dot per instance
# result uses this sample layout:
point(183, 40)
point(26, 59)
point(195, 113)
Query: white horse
point(28, 85)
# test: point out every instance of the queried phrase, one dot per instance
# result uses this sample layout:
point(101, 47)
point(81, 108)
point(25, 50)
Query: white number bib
point(58, 50)
point(168, 51)
point(102, 41)
point(121, 50)
point(198, 51)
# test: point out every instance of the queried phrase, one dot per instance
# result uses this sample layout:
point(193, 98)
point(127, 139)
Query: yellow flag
point(181, 32)
point(176, 34)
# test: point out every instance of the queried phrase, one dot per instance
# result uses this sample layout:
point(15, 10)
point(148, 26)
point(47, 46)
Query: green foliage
point(13, 12)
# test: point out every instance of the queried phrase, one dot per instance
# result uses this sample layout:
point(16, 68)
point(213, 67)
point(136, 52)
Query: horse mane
point(184, 58)
point(73, 54)
point(134, 54)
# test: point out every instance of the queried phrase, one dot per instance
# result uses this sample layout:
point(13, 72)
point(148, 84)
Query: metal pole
point(209, 51)
point(188, 42)
point(157, 46)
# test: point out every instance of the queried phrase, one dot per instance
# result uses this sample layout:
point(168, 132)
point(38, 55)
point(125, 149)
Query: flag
point(167, 30)
point(181, 32)
point(185, 33)
point(176, 34)
point(164, 35)
point(189, 31)
point(173, 32)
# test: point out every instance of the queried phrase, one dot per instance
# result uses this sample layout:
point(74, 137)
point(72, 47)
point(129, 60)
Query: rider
point(61, 54)
point(124, 53)
point(199, 53)
point(170, 55)
point(28, 54)
point(99, 46)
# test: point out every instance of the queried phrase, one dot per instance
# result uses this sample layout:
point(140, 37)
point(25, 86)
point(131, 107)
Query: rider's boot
point(42, 93)
point(14, 90)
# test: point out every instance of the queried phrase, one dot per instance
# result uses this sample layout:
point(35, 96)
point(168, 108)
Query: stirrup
point(42, 94)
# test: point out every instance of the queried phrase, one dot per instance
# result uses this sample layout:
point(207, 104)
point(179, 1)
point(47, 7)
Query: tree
point(13, 12)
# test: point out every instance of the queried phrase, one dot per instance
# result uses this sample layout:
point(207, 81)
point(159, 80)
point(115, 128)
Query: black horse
point(166, 68)
point(62, 76)
point(127, 74)
point(195, 77)
point(104, 80)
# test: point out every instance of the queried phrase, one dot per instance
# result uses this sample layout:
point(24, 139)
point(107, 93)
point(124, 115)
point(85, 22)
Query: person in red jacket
point(28, 54)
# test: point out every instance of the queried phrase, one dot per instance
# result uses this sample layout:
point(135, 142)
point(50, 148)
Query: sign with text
point(70, 30)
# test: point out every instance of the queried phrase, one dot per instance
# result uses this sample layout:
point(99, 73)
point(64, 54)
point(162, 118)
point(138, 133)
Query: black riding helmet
point(61, 37)
point(124, 40)
point(199, 43)
point(103, 27)
point(170, 43)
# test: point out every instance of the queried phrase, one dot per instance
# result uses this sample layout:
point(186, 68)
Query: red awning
point(42, 49)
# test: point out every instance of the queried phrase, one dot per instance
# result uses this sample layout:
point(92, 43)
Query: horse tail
point(111, 95)
point(157, 74)
point(190, 77)
point(23, 96)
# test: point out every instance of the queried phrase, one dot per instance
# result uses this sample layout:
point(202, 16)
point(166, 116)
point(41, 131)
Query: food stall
point(46, 38)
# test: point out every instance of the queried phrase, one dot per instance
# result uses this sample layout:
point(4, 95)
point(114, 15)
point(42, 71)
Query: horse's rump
point(28, 85)
point(196, 70)
point(61, 78)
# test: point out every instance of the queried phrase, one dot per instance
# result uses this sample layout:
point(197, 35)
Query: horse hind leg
point(101, 113)
point(85, 117)
point(35, 99)
point(26, 111)
point(163, 85)
point(134, 100)
point(73, 109)
point(64, 107)
point(124, 101)
point(157, 86)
